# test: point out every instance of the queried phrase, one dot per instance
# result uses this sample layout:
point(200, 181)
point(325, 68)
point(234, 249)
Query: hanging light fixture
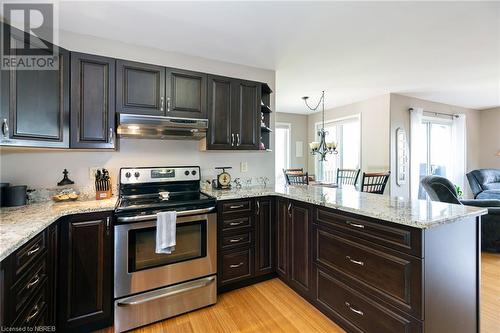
point(322, 147)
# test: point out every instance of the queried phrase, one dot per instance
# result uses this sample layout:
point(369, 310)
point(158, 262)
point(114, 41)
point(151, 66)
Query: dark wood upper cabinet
point(92, 101)
point(264, 236)
point(35, 104)
point(85, 272)
point(186, 94)
point(233, 113)
point(246, 115)
point(300, 246)
point(140, 88)
point(282, 237)
point(220, 98)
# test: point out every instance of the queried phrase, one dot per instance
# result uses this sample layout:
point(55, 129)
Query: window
point(347, 134)
point(282, 148)
point(435, 152)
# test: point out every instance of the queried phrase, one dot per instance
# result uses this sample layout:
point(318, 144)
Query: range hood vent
point(165, 128)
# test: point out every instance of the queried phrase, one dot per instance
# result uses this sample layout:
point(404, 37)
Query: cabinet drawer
point(398, 237)
point(236, 240)
point(35, 312)
point(236, 223)
point(237, 265)
point(362, 313)
point(241, 206)
point(393, 276)
point(31, 282)
point(29, 253)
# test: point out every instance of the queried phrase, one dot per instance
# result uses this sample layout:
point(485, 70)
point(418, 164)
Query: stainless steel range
point(150, 286)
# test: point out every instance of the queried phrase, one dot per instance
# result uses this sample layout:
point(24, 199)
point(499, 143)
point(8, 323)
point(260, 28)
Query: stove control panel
point(159, 175)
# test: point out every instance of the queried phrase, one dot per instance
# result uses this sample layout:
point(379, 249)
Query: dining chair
point(297, 178)
point(374, 182)
point(347, 176)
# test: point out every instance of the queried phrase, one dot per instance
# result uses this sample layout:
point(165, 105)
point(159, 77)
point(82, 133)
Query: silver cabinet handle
point(161, 103)
point(232, 139)
point(361, 313)
point(355, 225)
point(153, 216)
point(33, 282)
point(108, 222)
point(357, 262)
point(5, 128)
point(33, 315)
point(236, 207)
point(290, 209)
point(258, 207)
point(237, 240)
point(236, 266)
point(168, 104)
point(33, 250)
point(235, 223)
point(238, 142)
point(111, 137)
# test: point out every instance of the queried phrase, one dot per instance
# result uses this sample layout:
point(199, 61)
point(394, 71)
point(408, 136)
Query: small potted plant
point(459, 191)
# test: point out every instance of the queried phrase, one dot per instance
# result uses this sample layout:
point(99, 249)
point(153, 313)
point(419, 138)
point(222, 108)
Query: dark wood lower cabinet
point(85, 272)
point(300, 247)
point(265, 234)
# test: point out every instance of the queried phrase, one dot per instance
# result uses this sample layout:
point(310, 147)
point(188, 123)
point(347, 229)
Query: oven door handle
point(153, 216)
point(169, 291)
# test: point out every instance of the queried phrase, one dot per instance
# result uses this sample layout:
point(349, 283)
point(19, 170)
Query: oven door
point(138, 268)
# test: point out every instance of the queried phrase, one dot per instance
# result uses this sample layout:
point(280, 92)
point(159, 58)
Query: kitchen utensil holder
point(104, 194)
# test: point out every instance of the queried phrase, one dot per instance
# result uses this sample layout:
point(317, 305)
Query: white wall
point(489, 138)
point(298, 133)
point(400, 117)
point(374, 131)
point(42, 168)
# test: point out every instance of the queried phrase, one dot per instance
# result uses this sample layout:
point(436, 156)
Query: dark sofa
point(485, 183)
point(441, 189)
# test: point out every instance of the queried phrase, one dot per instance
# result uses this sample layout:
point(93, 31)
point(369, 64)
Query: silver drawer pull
point(236, 266)
point(236, 223)
point(357, 262)
point(361, 313)
point(237, 206)
point(33, 315)
point(33, 282)
point(355, 225)
point(33, 251)
point(236, 240)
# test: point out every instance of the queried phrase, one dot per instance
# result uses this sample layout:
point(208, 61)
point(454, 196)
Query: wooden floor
point(271, 306)
point(490, 293)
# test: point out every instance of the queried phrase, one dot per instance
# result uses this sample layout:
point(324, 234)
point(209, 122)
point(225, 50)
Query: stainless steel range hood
point(156, 127)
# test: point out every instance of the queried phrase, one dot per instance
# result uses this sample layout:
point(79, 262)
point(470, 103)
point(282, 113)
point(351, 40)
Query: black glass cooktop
point(156, 201)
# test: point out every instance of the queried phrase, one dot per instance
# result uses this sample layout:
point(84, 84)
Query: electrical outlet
point(243, 166)
point(92, 172)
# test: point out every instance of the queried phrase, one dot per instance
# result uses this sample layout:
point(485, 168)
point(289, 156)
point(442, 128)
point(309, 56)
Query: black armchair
point(441, 189)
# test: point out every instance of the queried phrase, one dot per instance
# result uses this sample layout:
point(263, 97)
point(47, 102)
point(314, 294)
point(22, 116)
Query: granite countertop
point(19, 224)
point(420, 214)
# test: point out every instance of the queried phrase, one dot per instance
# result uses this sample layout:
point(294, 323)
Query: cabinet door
point(264, 237)
point(300, 249)
point(219, 134)
point(35, 105)
point(282, 236)
point(186, 94)
point(140, 88)
point(92, 101)
point(85, 272)
point(246, 114)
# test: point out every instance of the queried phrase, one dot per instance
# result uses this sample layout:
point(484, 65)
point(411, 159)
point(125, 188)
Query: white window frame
point(288, 140)
point(339, 140)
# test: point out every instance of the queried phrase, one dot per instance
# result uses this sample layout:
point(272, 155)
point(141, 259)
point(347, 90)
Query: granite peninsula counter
point(420, 214)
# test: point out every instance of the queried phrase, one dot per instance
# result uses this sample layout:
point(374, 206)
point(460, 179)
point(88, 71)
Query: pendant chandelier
point(321, 148)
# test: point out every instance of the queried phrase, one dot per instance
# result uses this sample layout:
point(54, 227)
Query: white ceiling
point(441, 51)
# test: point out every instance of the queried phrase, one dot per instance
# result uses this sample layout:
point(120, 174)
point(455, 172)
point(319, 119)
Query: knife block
point(104, 194)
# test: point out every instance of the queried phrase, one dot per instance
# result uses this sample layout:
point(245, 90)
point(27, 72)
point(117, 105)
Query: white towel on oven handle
point(165, 232)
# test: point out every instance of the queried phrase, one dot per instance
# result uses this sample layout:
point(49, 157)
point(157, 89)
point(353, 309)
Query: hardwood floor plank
point(490, 292)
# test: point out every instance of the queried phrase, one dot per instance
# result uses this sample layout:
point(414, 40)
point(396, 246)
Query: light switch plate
point(243, 166)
